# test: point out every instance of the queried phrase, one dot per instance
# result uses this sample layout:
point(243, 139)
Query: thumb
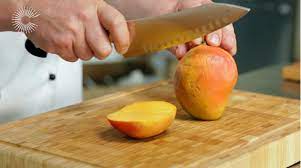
point(214, 38)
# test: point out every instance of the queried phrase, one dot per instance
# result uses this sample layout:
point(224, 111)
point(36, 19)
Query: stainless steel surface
point(268, 80)
point(161, 32)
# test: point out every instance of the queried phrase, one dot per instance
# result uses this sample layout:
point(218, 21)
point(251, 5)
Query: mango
point(204, 80)
point(143, 119)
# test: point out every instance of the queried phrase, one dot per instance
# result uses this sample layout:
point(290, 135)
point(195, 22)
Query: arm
point(7, 9)
point(72, 29)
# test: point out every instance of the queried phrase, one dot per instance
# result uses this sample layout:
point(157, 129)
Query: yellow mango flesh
point(143, 119)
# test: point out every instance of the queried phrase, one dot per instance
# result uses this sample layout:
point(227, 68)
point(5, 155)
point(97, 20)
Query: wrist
point(7, 10)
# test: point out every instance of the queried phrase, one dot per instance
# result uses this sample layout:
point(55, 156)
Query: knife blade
point(161, 32)
point(165, 31)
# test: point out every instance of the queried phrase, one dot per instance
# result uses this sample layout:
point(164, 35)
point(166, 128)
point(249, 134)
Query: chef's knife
point(165, 31)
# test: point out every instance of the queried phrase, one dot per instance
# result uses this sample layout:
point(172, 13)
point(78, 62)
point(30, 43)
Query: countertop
point(268, 80)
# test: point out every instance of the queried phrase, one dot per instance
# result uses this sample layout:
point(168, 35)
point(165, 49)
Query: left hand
point(133, 9)
point(224, 38)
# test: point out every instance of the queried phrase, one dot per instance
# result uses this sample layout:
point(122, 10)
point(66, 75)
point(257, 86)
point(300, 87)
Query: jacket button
point(52, 77)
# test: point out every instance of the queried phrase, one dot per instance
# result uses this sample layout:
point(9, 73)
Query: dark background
point(266, 35)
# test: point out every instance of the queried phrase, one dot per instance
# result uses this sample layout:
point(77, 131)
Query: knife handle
point(32, 49)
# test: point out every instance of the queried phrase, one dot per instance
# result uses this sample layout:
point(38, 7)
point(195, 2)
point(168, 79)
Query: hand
point(133, 9)
point(79, 29)
point(224, 38)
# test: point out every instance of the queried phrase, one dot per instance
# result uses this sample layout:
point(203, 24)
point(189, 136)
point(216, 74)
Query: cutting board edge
point(265, 157)
point(12, 155)
point(291, 129)
point(48, 160)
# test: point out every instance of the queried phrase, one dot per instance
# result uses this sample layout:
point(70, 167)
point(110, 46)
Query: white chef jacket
point(25, 86)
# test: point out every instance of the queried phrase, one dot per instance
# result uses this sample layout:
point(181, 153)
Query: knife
point(161, 32)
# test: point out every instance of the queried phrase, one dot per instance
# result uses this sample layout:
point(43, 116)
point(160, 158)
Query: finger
point(113, 21)
point(60, 44)
point(214, 38)
point(179, 51)
point(64, 47)
point(192, 3)
point(80, 46)
point(131, 26)
point(97, 39)
point(67, 54)
point(229, 39)
point(45, 44)
point(173, 50)
point(194, 43)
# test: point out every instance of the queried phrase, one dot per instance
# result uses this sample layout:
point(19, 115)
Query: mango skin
point(204, 80)
point(140, 130)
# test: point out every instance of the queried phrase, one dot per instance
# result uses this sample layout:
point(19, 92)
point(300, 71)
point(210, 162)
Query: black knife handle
point(32, 49)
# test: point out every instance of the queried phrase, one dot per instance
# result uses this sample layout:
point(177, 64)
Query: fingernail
point(214, 38)
point(121, 49)
point(198, 41)
point(107, 46)
point(233, 51)
point(124, 50)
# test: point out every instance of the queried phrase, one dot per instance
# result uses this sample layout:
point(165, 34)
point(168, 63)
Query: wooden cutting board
point(256, 131)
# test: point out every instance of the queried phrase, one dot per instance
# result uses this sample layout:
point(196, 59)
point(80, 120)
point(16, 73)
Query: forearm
point(7, 9)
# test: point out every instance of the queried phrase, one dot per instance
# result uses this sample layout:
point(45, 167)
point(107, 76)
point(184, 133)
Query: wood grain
point(256, 131)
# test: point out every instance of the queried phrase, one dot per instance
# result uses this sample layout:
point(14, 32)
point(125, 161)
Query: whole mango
point(204, 80)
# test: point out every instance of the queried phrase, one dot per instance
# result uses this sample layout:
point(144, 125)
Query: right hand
point(79, 29)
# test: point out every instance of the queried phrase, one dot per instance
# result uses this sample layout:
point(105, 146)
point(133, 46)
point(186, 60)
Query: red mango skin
point(204, 80)
point(140, 131)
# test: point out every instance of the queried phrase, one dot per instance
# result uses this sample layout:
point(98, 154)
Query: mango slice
point(143, 119)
